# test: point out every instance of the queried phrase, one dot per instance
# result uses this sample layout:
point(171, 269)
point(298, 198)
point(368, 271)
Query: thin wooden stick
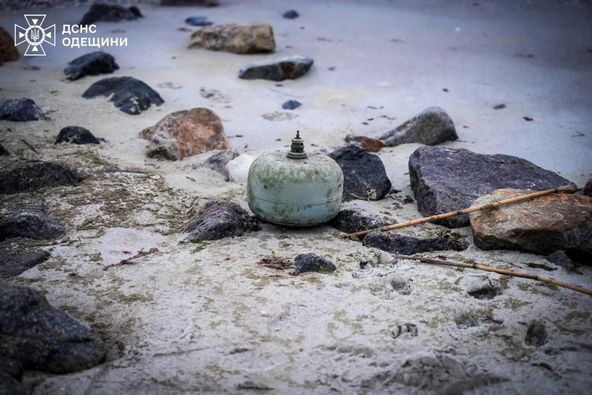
point(530, 276)
point(485, 206)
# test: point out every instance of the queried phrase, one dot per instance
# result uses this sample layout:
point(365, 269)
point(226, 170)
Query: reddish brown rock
point(242, 39)
point(369, 144)
point(185, 133)
point(542, 225)
point(8, 52)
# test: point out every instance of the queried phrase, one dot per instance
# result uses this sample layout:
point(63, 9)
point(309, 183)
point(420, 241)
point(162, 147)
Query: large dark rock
point(30, 176)
point(219, 160)
point(350, 221)
point(128, 94)
point(76, 135)
point(543, 225)
point(409, 245)
point(101, 12)
point(8, 51)
point(20, 110)
point(241, 39)
point(279, 69)
point(42, 337)
point(430, 127)
point(218, 219)
point(18, 219)
point(17, 256)
point(446, 179)
point(93, 63)
point(312, 263)
point(364, 176)
point(588, 188)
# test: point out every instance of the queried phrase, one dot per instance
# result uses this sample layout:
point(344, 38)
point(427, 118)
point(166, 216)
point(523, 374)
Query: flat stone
point(446, 179)
point(20, 110)
point(432, 126)
point(8, 52)
point(198, 21)
point(42, 337)
point(128, 94)
point(93, 63)
point(368, 143)
point(101, 12)
point(218, 220)
point(364, 174)
point(219, 160)
point(76, 135)
point(313, 263)
point(185, 133)
point(18, 256)
point(350, 221)
point(409, 245)
point(278, 69)
point(291, 14)
point(31, 176)
point(241, 39)
point(291, 104)
point(543, 225)
point(20, 219)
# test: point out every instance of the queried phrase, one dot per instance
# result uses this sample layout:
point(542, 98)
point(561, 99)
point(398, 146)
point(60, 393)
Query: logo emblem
point(35, 35)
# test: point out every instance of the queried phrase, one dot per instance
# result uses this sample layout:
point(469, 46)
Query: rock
point(27, 220)
point(10, 385)
point(430, 127)
point(42, 337)
point(30, 176)
point(560, 258)
point(76, 135)
point(93, 63)
point(4, 151)
point(446, 179)
point(238, 168)
point(100, 12)
point(218, 219)
point(17, 256)
point(364, 174)
point(500, 106)
point(198, 21)
point(241, 39)
point(20, 110)
point(536, 333)
point(588, 188)
point(350, 221)
point(409, 245)
point(204, 3)
point(128, 94)
point(278, 69)
point(313, 263)
point(219, 160)
point(8, 52)
point(368, 143)
point(291, 14)
point(185, 133)
point(543, 225)
point(291, 104)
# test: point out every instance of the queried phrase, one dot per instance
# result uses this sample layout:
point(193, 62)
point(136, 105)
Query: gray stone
point(42, 337)
point(588, 188)
point(446, 179)
point(219, 219)
point(128, 94)
point(93, 63)
point(430, 127)
point(279, 69)
point(198, 21)
point(363, 173)
point(17, 256)
point(350, 221)
point(291, 104)
point(31, 176)
point(560, 258)
point(241, 39)
point(20, 110)
point(29, 220)
point(291, 14)
point(313, 263)
point(219, 160)
point(536, 333)
point(409, 245)
point(100, 12)
point(76, 135)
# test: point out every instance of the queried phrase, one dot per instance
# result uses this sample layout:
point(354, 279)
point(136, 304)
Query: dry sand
point(195, 318)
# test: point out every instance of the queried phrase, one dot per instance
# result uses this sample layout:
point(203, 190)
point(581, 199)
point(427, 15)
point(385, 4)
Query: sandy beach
point(204, 317)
